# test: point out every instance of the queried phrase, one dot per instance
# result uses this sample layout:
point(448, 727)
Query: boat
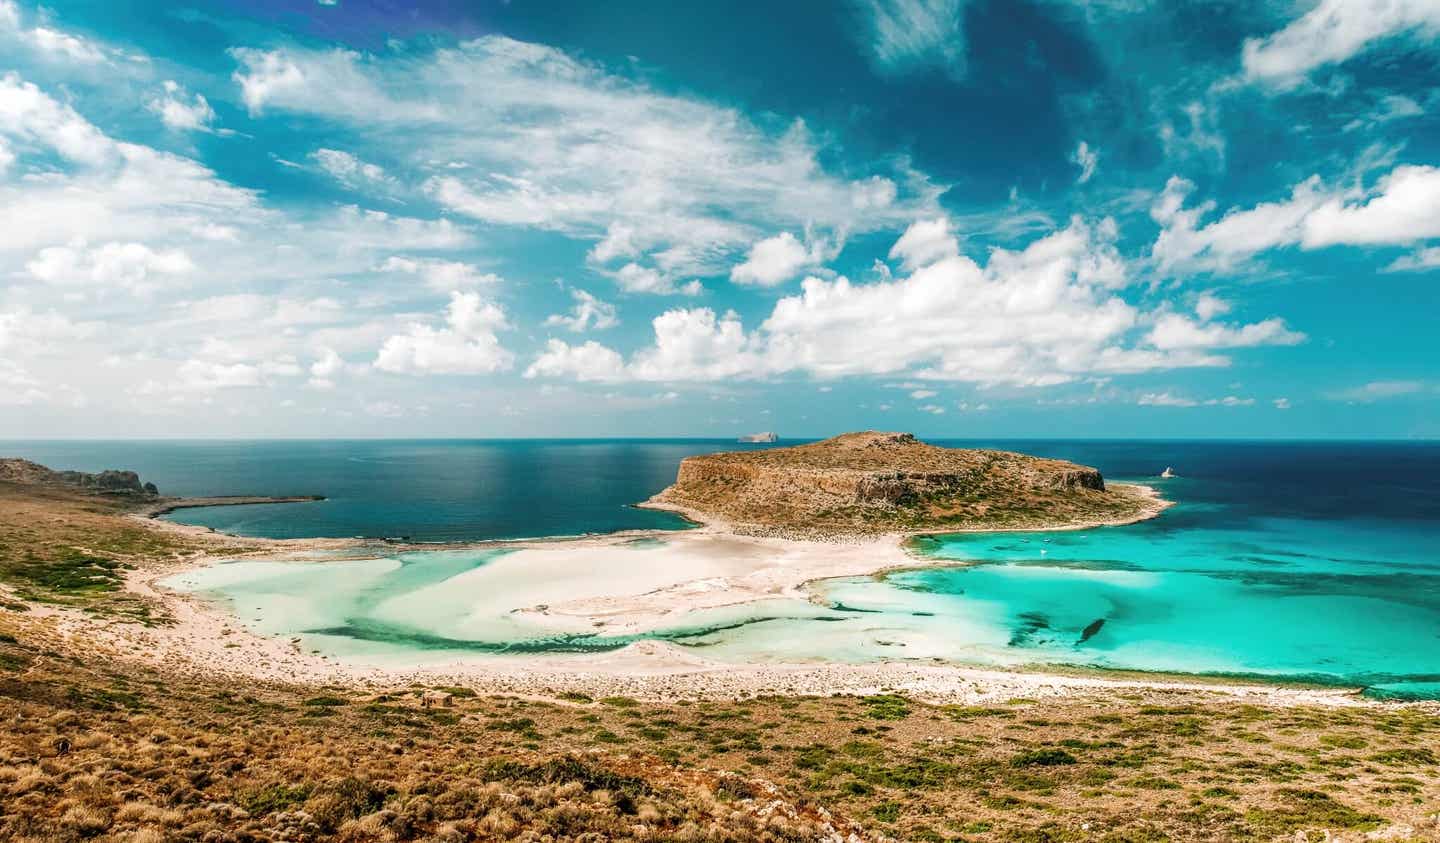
point(766, 438)
point(1168, 472)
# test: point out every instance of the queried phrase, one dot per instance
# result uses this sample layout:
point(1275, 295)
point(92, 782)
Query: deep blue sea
point(1305, 561)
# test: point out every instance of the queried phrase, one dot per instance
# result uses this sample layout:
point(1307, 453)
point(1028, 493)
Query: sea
point(1313, 562)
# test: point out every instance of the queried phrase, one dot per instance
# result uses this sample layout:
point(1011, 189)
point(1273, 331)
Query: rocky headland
point(875, 482)
point(110, 482)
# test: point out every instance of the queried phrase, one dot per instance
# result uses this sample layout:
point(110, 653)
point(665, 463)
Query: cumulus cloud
point(1332, 32)
point(325, 368)
point(28, 113)
point(776, 260)
point(132, 266)
point(903, 35)
point(634, 278)
point(588, 313)
point(440, 275)
point(588, 361)
point(465, 345)
point(1176, 331)
point(925, 242)
point(1043, 315)
point(1402, 207)
point(181, 111)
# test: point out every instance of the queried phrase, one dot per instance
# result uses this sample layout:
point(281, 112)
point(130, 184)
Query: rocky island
point(878, 482)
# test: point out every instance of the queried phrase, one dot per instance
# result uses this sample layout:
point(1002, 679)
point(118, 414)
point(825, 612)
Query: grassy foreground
point(99, 750)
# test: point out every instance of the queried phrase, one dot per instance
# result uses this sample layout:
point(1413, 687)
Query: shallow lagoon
point(1315, 562)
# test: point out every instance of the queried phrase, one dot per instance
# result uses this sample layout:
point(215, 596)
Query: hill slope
point(872, 482)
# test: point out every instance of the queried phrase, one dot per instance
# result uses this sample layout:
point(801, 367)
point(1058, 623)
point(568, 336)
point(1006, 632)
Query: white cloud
point(1208, 307)
point(325, 368)
point(349, 169)
point(776, 260)
point(1379, 391)
point(589, 361)
point(65, 44)
point(466, 344)
point(922, 394)
point(132, 266)
point(24, 333)
point(440, 275)
point(1332, 32)
point(1220, 245)
point(1388, 109)
point(1087, 160)
point(29, 114)
point(905, 34)
point(1281, 403)
point(924, 243)
point(933, 409)
point(634, 278)
point(1174, 331)
point(179, 110)
point(552, 142)
point(1168, 399)
point(1403, 207)
point(588, 313)
point(1043, 315)
point(7, 158)
point(1422, 259)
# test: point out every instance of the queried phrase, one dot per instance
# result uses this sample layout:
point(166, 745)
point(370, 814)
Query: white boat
point(1168, 472)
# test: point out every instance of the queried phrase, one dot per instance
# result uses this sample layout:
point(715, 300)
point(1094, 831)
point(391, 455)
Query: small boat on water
point(1168, 472)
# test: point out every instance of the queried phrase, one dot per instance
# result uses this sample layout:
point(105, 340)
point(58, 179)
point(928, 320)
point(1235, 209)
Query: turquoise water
point(1304, 561)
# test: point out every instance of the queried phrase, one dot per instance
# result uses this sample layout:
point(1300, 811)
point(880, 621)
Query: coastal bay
point(598, 653)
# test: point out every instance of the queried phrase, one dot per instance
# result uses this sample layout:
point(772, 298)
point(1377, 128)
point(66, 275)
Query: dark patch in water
point(370, 631)
point(1090, 631)
point(1030, 623)
point(841, 607)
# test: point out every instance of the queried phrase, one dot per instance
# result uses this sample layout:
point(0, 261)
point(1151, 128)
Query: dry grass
point(872, 482)
point(98, 750)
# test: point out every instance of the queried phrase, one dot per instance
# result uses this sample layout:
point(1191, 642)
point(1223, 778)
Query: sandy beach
point(600, 583)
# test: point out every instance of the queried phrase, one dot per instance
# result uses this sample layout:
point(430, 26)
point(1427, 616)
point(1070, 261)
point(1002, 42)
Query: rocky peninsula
point(874, 482)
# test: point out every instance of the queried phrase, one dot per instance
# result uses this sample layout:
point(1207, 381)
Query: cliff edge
point(876, 482)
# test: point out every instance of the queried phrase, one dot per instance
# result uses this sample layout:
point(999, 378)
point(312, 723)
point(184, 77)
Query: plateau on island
point(878, 482)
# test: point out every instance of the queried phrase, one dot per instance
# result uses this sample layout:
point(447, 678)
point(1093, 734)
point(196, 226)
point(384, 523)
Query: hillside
point(871, 482)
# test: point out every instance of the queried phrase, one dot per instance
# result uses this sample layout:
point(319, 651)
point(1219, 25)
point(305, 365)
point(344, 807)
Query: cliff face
point(111, 482)
point(873, 482)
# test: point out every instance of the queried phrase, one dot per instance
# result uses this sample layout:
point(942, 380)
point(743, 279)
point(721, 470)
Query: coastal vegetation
point(131, 754)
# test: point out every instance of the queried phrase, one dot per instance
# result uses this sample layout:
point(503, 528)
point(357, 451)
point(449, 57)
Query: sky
point(960, 218)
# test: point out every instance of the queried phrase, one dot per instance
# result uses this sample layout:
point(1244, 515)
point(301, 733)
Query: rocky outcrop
point(107, 482)
point(875, 481)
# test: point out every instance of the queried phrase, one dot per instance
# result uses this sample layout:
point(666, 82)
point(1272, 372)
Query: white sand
point(610, 585)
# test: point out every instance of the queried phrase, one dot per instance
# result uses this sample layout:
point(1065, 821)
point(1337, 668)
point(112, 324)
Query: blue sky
point(370, 218)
